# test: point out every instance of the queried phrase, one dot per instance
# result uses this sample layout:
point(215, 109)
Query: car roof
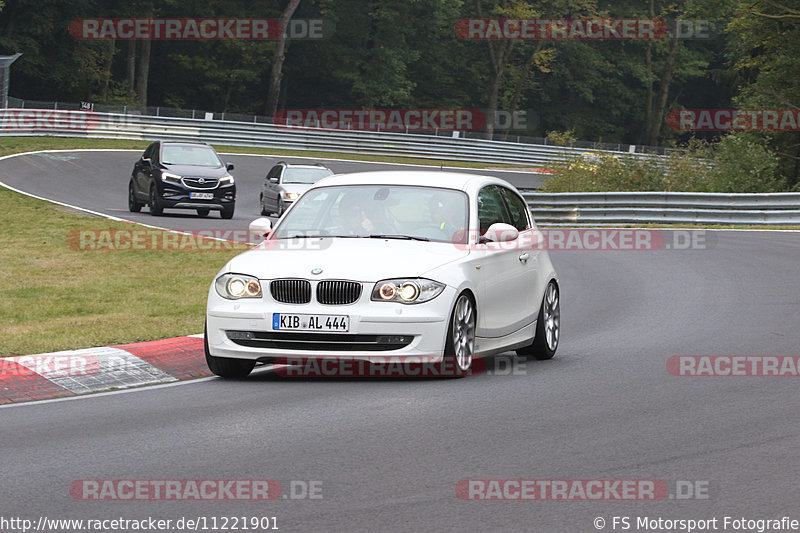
point(425, 178)
point(191, 143)
point(304, 165)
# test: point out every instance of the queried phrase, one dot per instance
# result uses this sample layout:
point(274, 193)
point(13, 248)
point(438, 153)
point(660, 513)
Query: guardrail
point(664, 207)
point(124, 126)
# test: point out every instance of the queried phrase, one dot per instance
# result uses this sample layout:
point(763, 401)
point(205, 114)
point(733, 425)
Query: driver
point(353, 215)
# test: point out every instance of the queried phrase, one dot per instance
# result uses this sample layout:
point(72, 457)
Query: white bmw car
point(436, 266)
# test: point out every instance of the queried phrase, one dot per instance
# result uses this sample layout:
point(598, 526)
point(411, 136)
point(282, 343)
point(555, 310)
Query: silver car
point(285, 183)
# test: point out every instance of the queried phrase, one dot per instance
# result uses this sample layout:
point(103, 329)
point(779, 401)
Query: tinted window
point(517, 209)
point(305, 175)
point(491, 208)
point(189, 154)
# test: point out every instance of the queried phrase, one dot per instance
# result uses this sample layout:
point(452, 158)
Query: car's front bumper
point(175, 196)
point(242, 329)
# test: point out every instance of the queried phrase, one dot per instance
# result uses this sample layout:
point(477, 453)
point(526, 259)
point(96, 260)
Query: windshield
point(378, 211)
point(305, 175)
point(188, 154)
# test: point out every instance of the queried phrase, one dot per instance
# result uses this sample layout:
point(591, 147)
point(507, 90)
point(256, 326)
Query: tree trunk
point(130, 77)
point(277, 59)
point(144, 73)
point(649, 98)
point(653, 131)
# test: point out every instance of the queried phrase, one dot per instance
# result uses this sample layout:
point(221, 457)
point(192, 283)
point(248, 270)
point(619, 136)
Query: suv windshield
point(305, 175)
point(189, 154)
point(378, 211)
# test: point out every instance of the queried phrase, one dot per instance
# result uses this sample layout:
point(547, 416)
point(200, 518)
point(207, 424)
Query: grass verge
point(56, 296)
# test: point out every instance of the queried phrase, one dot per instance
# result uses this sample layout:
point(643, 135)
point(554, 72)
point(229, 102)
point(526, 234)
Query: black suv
point(182, 175)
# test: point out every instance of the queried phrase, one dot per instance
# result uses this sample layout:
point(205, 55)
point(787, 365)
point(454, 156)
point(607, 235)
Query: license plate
point(291, 322)
point(201, 195)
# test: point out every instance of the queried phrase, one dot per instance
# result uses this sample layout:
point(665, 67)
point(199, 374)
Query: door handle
point(524, 257)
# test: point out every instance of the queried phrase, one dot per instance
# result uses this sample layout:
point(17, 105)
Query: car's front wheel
point(203, 212)
point(155, 206)
point(226, 367)
point(264, 211)
point(133, 204)
point(279, 212)
point(548, 326)
point(227, 212)
point(460, 344)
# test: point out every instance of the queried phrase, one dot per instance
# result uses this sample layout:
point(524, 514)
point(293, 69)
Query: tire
point(155, 207)
point(460, 342)
point(203, 212)
point(264, 211)
point(226, 367)
point(227, 212)
point(548, 326)
point(133, 204)
point(279, 212)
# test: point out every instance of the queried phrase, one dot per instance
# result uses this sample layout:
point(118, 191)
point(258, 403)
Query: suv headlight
point(291, 195)
point(172, 178)
point(406, 290)
point(235, 286)
point(227, 179)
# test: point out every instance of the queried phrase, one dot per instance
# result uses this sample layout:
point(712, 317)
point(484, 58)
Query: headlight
point(227, 179)
point(406, 290)
point(292, 195)
point(235, 286)
point(172, 178)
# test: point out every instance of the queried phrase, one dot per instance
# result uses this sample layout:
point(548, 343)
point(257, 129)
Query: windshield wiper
point(405, 237)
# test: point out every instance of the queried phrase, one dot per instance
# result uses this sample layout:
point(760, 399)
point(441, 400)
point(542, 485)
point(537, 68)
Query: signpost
point(5, 67)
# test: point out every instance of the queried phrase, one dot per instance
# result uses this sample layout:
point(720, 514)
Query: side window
point(273, 172)
point(517, 209)
point(491, 208)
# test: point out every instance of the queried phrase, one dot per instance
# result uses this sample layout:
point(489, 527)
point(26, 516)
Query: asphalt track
point(389, 453)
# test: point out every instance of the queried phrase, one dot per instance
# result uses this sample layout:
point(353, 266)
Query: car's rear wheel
point(203, 212)
point(264, 211)
point(227, 212)
point(155, 206)
point(460, 344)
point(226, 367)
point(133, 204)
point(548, 326)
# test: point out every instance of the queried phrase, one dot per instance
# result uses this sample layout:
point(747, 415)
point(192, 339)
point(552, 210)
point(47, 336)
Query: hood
point(196, 170)
point(366, 260)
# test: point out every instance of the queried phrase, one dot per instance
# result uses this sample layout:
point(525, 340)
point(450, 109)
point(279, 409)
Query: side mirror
point(500, 232)
point(147, 161)
point(229, 166)
point(274, 179)
point(259, 229)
